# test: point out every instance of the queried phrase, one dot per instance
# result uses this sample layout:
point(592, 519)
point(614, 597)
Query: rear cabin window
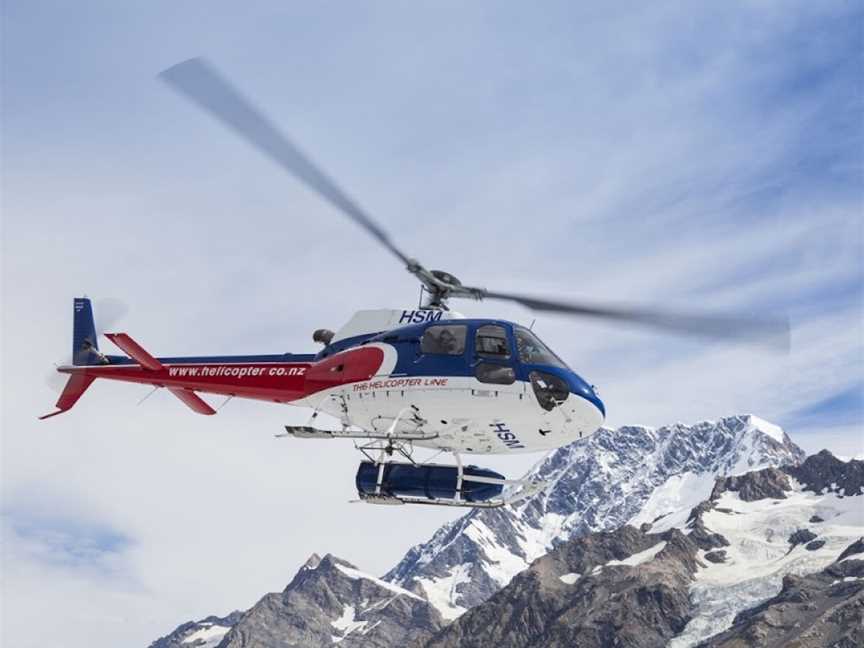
point(492, 342)
point(446, 340)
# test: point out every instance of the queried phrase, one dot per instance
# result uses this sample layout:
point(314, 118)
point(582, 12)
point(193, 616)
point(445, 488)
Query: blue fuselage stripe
point(250, 359)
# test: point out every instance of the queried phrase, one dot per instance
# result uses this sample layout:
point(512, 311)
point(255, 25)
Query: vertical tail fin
point(85, 342)
point(85, 352)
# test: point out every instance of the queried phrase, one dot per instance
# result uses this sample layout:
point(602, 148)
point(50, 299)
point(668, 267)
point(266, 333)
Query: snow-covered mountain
point(632, 474)
point(772, 558)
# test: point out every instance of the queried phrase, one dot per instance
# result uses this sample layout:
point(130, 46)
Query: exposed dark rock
point(717, 556)
point(801, 536)
point(816, 544)
point(642, 606)
point(856, 547)
point(704, 538)
point(824, 471)
point(815, 519)
point(767, 483)
point(825, 609)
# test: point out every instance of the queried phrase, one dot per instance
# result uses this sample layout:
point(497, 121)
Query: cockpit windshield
point(533, 351)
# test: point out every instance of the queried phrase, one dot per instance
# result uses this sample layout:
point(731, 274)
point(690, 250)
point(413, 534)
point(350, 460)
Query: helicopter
point(396, 379)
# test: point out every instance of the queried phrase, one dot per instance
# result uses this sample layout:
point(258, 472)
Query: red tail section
point(193, 401)
point(135, 351)
point(75, 387)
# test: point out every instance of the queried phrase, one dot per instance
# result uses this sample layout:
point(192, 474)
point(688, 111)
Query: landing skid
point(308, 432)
point(409, 415)
point(379, 447)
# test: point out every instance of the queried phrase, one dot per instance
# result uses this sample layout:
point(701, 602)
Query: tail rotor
point(85, 348)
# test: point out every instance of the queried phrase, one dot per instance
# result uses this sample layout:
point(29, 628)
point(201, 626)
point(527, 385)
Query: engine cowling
point(353, 365)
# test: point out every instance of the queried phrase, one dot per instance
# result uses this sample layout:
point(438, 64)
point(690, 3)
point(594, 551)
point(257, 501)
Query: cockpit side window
point(491, 342)
point(446, 339)
point(533, 351)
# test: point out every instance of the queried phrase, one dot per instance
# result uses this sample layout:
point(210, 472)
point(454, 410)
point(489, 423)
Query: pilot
point(527, 350)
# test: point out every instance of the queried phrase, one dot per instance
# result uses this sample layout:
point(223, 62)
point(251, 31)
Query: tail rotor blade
point(55, 381)
point(108, 312)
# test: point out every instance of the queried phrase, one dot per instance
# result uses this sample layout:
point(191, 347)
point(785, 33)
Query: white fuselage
point(458, 413)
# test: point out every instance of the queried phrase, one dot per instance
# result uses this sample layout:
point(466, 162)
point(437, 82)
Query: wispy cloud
point(60, 541)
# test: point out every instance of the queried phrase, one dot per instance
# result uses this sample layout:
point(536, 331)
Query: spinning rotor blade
point(767, 331)
point(54, 380)
point(202, 84)
point(109, 312)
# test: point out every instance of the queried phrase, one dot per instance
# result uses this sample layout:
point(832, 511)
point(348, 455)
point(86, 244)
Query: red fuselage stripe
point(270, 381)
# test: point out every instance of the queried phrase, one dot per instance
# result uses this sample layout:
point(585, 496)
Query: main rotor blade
point(767, 331)
point(202, 84)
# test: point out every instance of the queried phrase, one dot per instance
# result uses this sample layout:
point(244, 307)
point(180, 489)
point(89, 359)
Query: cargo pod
point(386, 482)
point(432, 481)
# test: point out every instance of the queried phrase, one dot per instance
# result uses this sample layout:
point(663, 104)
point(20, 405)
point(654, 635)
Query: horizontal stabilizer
point(135, 351)
point(75, 387)
point(192, 400)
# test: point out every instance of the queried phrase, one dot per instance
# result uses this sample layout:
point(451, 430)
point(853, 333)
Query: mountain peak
point(772, 430)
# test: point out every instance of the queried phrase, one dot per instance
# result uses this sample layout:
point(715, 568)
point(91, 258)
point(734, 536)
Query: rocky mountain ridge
point(206, 633)
point(330, 602)
point(646, 587)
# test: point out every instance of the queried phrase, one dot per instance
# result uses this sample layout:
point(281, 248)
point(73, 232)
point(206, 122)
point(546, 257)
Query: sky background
point(702, 155)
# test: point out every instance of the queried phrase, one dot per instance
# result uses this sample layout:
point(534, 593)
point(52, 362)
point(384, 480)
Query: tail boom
point(274, 378)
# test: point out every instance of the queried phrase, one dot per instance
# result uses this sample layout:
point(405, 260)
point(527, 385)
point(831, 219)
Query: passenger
point(448, 343)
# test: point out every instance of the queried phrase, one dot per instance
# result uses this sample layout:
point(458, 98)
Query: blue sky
point(68, 542)
point(696, 156)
